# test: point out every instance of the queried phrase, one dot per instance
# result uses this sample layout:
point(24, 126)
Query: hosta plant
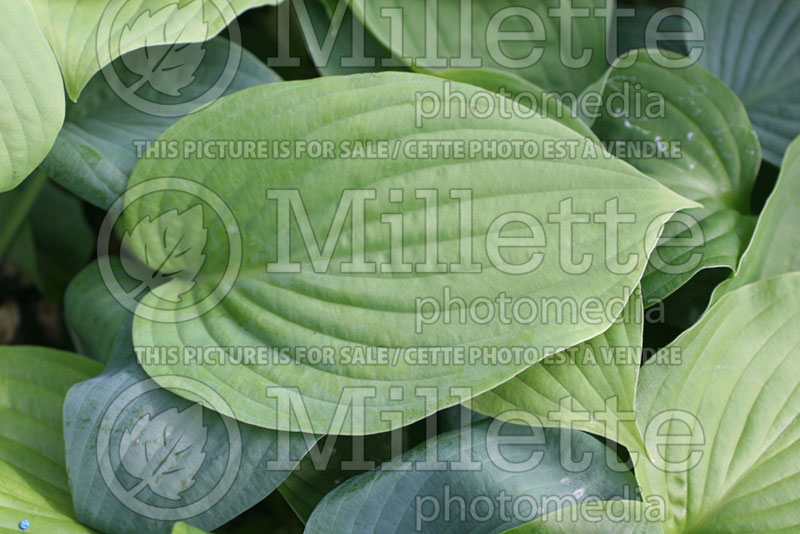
point(336, 266)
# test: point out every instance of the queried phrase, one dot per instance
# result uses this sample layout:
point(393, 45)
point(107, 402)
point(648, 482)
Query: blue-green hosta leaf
point(755, 48)
point(429, 41)
point(634, 21)
point(33, 479)
point(102, 137)
point(773, 249)
point(722, 429)
point(87, 35)
point(331, 464)
point(352, 313)
point(336, 459)
point(93, 315)
point(31, 102)
point(166, 459)
point(526, 93)
point(609, 517)
point(506, 485)
point(589, 387)
point(330, 28)
point(715, 160)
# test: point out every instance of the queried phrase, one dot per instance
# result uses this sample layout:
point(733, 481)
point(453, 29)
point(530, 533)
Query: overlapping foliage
point(731, 377)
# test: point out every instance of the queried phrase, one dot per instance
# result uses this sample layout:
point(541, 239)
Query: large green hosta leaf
point(530, 45)
point(754, 46)
point(33, 480)
point(31, 100)
point(716, 160)
point(506, 485)
point(86, 35)
point(727, 455)
point(773, 249)
point(590, 387)
point(98, 147)
point(350, 312)
point(221, 469)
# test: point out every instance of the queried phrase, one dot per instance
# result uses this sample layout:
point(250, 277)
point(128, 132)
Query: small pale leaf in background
point(183, 528)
